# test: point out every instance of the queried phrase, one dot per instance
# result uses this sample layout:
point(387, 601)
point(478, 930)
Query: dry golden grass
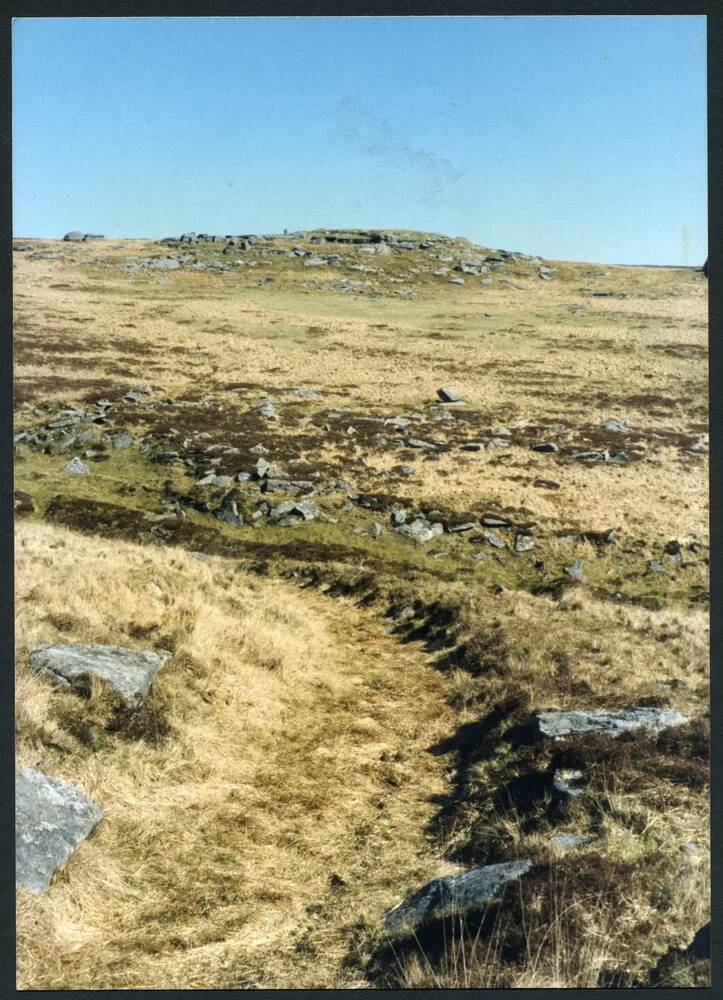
point(281, 726)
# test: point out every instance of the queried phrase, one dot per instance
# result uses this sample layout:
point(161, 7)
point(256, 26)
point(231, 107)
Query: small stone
point(398, 517)
point(466, 526)
point(420, 530)
point(615, 426)
point(568, 841)
point(471, 446)
point(574, 569)
point(407, 470)
point(501, 432)
point(566, 782)
point(655, 567)
point(228, 512)
point(449, 396)
point(546, 446)
point(494, 539)
point(77, 467)
point(524, 543)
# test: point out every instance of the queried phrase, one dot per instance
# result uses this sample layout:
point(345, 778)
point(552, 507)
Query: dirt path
point(349, 800)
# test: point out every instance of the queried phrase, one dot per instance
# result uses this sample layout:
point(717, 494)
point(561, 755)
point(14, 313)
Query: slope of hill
point(432, 511)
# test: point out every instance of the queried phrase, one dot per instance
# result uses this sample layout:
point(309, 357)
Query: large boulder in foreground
point(128, 672)
point(452, 895)
point(51, 818)
point(554, 724)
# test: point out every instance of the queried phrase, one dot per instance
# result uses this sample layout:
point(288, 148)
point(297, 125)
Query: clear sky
point(576, 138)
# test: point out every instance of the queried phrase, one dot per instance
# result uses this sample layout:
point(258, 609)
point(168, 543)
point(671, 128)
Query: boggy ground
point(385, 741)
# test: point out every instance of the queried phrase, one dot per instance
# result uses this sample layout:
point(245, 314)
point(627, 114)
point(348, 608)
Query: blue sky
point(577, 138)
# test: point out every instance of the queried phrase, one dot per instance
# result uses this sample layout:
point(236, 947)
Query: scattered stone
point(452, 895)
point(546, 273)
point(498, 442)
point(398, 517)
point(51, 818)
point(591, 456)
point(267, 409)
point(466, 526)
point(407, 470)
point(615, 426)
point(498, 432)
point(554, 724)
point(574, 569)
point(294, 509)
point(120, 441)
point(494, 539)
point(259, 449)
point(128, 672)
point(449, 396)
point(546, 446)
point(655, 567)
point(492, 521)
point(228, 512)
point(418, 443)
point(420, 530)
point(566, 781)
point(77, 467)
point(308, 394)
point(568, 841)
point(480, 557)
point(524, 543)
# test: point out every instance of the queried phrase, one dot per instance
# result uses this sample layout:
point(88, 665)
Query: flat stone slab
point(128, 672)
point(554, 724)
point(452, 895)
point(51, 818)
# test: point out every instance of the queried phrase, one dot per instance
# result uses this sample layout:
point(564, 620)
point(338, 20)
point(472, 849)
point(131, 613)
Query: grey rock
point(497, 432)
point(308, 394)
point(566, 783)
point(128, 672)
point(493, 539)
point(407, 470)
point(77, 467)
point(73, 237)
point(398, 517)
point(546, 446)
point(228, 512)
point(267, 409)
point(574, 569)
point(449, 396)
point(44, 255)
point(164, 264)
point(480, 557)
point(453, 895)
point(498, 442)
point(616, 426)
point(418, 443)
point(655, 567)
point(591, 456)
point(524, 543)
point(553, 724)
point(295, 508)
point(486, 281)
point(258, 449)
point(456, 281)
point(420, 530)
point(466, 526)
point(120, 441)
point(213, 480)
point(376, 529)
point(165, 457)
point(568, 841)
point(51, 818)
